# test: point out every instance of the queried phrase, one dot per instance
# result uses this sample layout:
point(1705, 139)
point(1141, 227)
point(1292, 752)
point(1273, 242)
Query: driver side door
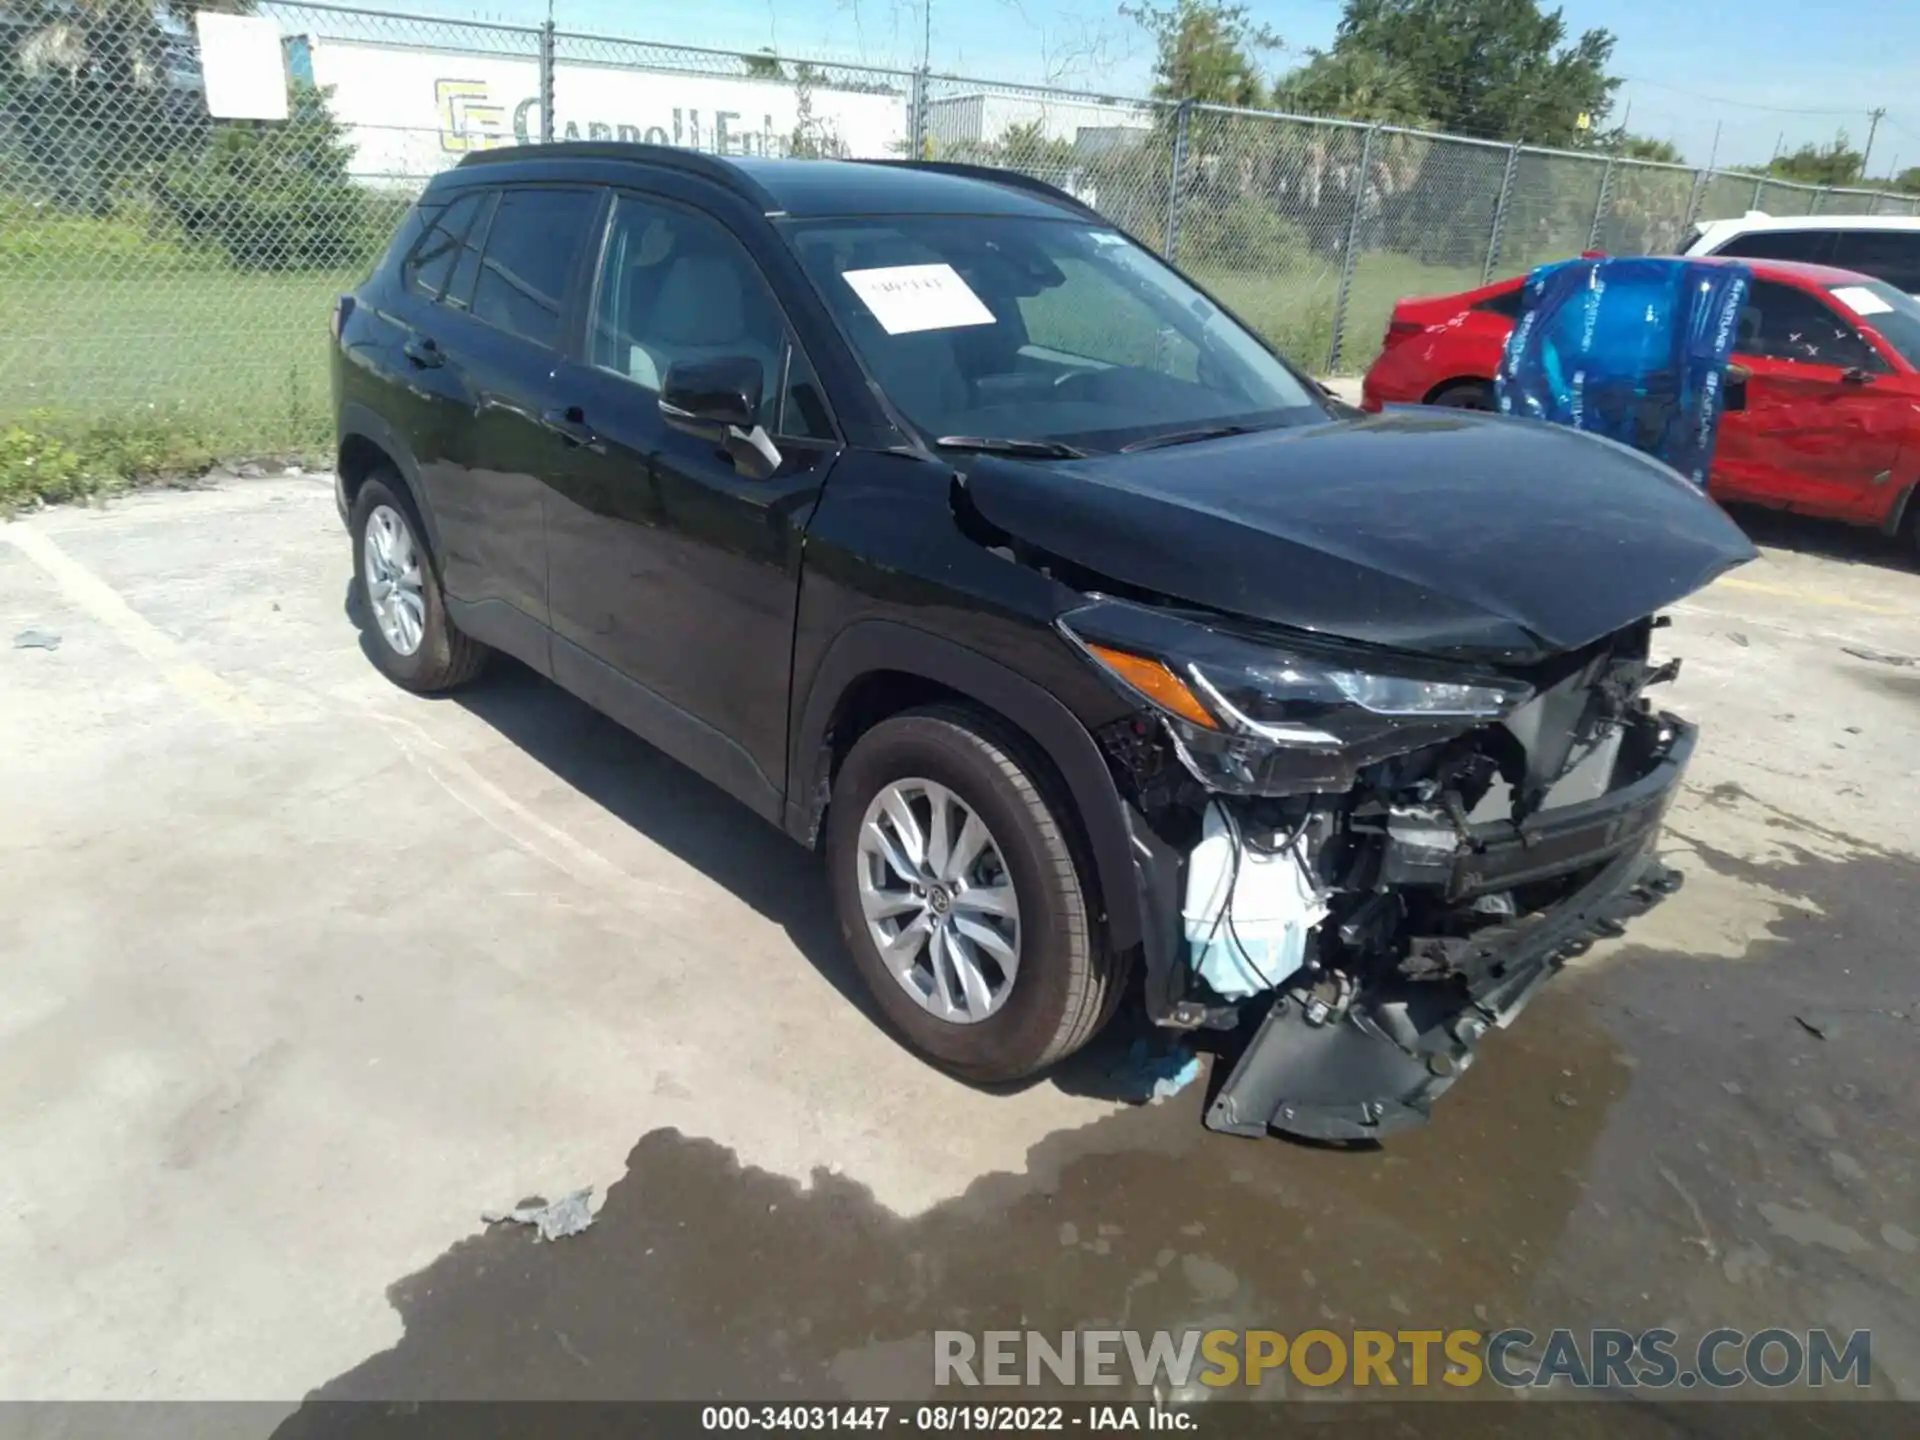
point(673, 576)
point(1820, 430)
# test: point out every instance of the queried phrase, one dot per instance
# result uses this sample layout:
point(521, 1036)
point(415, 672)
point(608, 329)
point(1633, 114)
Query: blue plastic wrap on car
point(1633, 349)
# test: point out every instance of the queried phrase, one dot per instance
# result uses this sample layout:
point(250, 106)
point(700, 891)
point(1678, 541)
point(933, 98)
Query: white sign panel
point(411, 113)
point(1861, 300)
point(245, 70)
point(906, 298)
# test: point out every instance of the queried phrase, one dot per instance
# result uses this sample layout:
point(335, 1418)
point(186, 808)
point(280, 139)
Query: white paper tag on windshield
point(906, 298)
point(1106, 237)
point(1861, 300)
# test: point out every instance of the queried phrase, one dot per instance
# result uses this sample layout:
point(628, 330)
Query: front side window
point(1892, 312)
point(1782, 323)
point(677, 286)
point(1033, 329)
point(533, 245)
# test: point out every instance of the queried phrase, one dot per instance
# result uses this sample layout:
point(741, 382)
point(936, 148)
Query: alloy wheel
point(939, 901)
point(392, 568)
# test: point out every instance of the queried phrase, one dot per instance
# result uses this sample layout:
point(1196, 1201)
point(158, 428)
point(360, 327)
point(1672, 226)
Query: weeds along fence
point(165, 278)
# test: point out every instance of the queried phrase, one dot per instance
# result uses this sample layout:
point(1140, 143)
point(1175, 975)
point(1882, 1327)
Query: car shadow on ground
point(1826, 539)
point(700, 824)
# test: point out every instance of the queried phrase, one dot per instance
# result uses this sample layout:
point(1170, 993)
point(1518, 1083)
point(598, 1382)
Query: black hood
point(1444, 532)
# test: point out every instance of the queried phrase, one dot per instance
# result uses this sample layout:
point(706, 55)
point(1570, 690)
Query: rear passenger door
point(505, 315)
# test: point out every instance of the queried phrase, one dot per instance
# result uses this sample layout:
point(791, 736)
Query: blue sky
point(1756, 68)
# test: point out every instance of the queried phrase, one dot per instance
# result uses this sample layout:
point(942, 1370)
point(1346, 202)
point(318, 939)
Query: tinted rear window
point(1813, 246)
point(1889, 255)
point(533, 247)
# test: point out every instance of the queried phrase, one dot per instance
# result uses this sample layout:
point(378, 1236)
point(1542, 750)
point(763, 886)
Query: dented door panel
point(1813, 440)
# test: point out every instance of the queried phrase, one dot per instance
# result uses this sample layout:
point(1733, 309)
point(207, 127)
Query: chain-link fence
point(165, 278)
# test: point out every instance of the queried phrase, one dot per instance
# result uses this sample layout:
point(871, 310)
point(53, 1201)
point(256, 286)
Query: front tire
point(408, 632)
point(959, 897)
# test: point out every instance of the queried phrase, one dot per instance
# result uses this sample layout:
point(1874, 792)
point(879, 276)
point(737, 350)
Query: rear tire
point(1465, 395)
point(1063, 979)
point(397, 590)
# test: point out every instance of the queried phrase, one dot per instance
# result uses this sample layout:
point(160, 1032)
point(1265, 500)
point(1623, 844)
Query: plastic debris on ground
point(1635, 350)
point(1249, 908)
point(566, 1216)
point(1149, 1076)
point(36, 640)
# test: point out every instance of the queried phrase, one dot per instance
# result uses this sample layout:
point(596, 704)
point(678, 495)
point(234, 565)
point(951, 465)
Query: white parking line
point(105, 604)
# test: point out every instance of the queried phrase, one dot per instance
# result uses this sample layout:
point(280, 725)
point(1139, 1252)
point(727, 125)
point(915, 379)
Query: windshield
point(1040, 330)
point(1893, 313)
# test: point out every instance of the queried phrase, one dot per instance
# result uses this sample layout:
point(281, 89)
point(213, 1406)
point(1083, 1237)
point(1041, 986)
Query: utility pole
point(1866, 156)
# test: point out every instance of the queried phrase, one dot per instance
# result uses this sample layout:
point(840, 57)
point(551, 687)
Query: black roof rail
point(691, 162)
point(1012, 179)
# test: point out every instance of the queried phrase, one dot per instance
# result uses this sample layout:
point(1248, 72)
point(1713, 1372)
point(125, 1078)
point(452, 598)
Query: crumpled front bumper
point(1351, 1079)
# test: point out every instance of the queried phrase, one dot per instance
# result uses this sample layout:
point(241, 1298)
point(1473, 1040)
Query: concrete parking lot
point(299, 974)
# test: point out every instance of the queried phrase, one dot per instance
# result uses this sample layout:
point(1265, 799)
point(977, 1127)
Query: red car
point(1829, 362)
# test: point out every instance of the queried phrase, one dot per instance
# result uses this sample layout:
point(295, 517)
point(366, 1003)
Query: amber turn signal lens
point(1155, 681)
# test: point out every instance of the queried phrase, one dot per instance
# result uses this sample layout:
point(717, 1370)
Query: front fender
point(870, 646)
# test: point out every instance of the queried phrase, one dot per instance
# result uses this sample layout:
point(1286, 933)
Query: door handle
point(423, 352)
point(570, 421)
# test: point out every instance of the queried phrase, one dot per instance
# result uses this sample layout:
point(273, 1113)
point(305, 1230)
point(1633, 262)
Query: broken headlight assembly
point(1257, 714)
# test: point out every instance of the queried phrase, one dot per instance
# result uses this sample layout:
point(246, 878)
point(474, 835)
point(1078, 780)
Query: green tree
point(1908, 180)
point(91, 92)
point(764, 65)
point(1355, 85)
point(1499, 69)
point(1835, 163)
point(1204, 50)
point(1641, 147)
point(274, 195)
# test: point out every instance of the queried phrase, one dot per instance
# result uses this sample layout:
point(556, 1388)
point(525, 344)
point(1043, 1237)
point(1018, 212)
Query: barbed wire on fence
point(153, 259)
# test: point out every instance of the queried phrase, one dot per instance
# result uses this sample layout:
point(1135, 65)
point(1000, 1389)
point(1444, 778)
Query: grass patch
point(1294, 307)
point(47, 457)
point(237, 362)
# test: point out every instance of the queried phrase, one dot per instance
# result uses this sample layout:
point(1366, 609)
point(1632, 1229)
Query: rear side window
point(533, 248)
point(431, 260)
point(1507, 304)
point(1812, 246)
point(1889, 255)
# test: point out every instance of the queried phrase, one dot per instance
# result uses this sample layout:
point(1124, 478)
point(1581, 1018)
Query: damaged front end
point(1388, 853)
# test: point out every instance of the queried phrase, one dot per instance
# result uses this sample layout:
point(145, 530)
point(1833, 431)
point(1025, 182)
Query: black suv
point(935, 519)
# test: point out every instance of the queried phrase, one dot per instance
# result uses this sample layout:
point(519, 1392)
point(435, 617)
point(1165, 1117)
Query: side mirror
point(1856, 375)
point(719, 400)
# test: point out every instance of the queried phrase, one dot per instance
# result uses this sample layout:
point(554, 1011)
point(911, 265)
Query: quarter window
point(431, 260)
